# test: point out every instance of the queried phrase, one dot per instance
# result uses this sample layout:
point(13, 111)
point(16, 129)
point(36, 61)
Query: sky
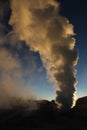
point(75, 11)
point(24, 69)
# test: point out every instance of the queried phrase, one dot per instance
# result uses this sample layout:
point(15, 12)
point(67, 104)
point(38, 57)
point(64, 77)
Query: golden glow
point(48, 33)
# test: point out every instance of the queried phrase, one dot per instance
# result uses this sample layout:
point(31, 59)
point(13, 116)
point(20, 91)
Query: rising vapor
point(39, 23)
point(11, 81)
point(11, 76)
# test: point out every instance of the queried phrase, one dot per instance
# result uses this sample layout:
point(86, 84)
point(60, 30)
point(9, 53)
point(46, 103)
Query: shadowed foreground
point(46, 117)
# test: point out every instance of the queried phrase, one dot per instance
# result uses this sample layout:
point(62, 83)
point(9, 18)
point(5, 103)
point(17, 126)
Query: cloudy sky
point(39, 45)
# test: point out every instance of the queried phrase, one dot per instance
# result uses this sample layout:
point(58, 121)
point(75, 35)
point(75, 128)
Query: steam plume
point(11, 81)
point(39, 23)
point(11, 75)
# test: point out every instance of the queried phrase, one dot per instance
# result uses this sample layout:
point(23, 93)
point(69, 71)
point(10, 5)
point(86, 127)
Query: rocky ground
point(45, 116)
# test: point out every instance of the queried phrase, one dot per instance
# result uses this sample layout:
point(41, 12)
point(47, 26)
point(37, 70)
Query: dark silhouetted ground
point(46, 117)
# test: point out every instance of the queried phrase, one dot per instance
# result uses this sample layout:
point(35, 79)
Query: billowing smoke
point(39, 23)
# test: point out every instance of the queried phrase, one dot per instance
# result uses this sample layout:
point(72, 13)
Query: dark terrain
point(47, 116)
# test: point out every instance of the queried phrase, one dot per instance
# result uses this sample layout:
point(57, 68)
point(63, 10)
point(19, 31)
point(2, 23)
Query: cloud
point(11, 82)
point(47, 32)
point(11, 73)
